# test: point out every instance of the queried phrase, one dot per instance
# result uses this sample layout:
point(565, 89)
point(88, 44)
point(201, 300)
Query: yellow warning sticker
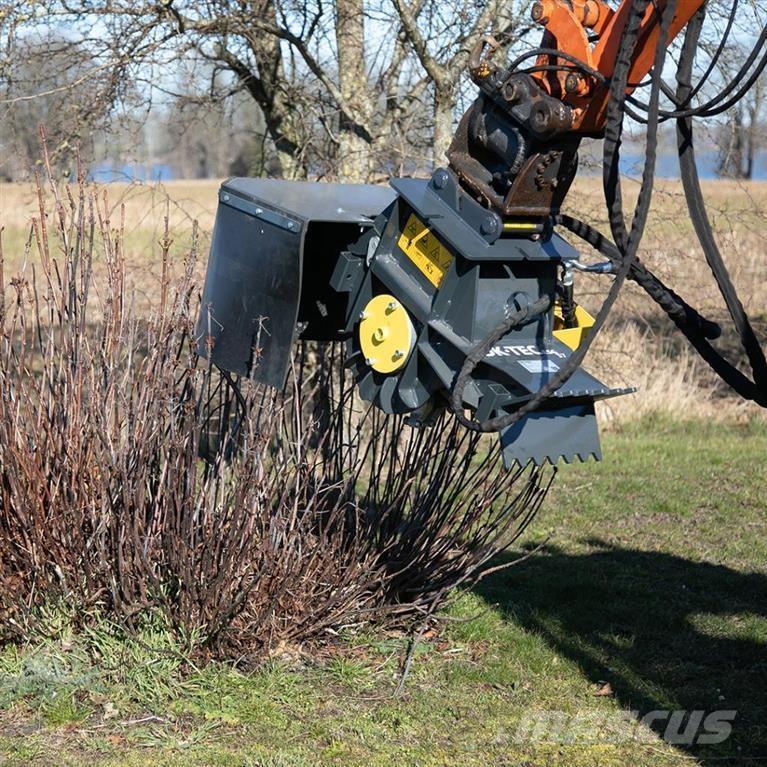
point(423, 248)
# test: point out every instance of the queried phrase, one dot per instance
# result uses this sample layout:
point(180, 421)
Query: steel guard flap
point(252, 290)
point(253, 285)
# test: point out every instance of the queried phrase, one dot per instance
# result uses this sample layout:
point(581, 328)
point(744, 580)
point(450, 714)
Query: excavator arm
point(589, 31)
point(516, 147)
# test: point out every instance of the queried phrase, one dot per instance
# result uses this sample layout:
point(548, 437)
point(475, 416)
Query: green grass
point(651, 577)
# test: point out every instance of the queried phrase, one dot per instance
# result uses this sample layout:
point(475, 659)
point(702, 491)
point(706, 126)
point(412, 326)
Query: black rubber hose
point(676, 307)
point(552, 52)
point(741, 82)
point(695, 328)
point(477, 354)
point(697, 208)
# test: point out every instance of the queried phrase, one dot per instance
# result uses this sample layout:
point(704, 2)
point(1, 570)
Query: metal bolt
point(369, 361)
point(511, 92)
point(541, 117)
point(259, 211)
point(440, 179)
point(537, 12)
point(363, 315)
point(572, 82)
point(399, 354)
point(391, 306)
point(489, 225)
point(225, 198)
point(291, 226)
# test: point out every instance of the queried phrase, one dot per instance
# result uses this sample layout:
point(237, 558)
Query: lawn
point(648, 591)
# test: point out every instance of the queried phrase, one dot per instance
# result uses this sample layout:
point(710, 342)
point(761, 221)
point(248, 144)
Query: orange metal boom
point(568, 25)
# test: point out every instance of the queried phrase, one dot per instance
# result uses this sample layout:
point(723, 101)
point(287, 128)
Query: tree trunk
point(732, 155)
point(268, 88)
point(753, 141)
point(289, 165)
point(354, 152)
point(444, 105)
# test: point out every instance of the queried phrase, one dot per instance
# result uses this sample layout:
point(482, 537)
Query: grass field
point(651, 579)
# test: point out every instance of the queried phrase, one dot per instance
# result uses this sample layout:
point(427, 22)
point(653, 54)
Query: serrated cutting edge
point(602, 393)
point(567, 458)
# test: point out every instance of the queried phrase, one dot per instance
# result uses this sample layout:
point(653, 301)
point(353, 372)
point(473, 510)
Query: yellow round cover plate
point(387, 335)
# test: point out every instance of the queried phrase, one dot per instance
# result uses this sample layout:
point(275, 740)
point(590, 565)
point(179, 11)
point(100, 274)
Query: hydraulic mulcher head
point(413, 279)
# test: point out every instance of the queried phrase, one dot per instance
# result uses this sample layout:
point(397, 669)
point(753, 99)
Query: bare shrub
point(324, 513)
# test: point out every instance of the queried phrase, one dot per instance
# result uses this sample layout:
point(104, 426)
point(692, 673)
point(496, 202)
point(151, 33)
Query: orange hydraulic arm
point(568, 25)
point(516, 147)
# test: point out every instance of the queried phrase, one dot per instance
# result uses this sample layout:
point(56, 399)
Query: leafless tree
point(339, 87)
point(49, 78)
point(744, 134)
point(442, 36)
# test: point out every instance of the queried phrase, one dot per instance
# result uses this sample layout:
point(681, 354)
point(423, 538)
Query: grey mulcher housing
point(298, 259)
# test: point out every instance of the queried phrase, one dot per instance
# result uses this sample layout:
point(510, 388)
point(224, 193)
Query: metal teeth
point(368, 388)
point(386, 394)
point(553, 460)
point(600, 392)
point(353, 360)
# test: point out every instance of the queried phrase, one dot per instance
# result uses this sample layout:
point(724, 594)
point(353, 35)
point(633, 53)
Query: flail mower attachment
point(455, 291)
point(414, 279)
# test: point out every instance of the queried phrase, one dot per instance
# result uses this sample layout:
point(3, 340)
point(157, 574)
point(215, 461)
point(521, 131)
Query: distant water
point(109, 172)
point(631, 164)
point(668, 165)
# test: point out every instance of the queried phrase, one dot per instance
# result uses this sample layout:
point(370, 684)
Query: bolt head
point(489, 225)
point(538, 13)
point(369, 361)
point(399, 354)
point(572, 82)
point(511, 92)
point(440, 179)
point(541, 118)
point(391, 306)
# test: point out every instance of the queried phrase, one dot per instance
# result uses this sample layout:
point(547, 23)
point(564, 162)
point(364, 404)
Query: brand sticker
point(539, 366)
point(531, 350)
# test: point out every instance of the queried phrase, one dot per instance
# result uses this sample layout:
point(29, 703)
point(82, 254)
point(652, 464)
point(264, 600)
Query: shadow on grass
point(665, 632)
